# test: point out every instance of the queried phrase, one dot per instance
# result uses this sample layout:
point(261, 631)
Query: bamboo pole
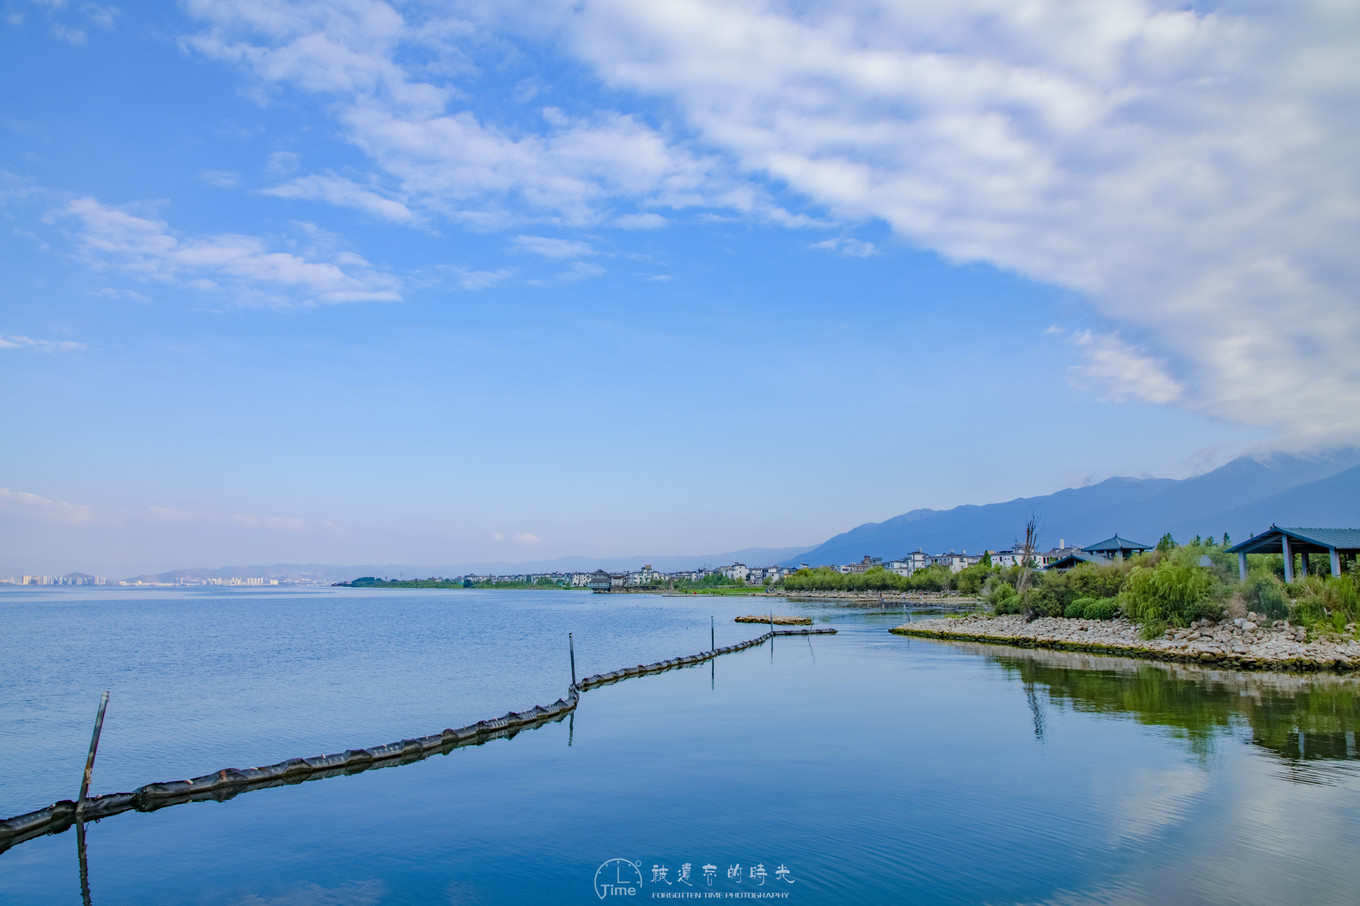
point(89, 760)
point(571, 648)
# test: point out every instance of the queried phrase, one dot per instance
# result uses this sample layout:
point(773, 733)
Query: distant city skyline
point(413, 283)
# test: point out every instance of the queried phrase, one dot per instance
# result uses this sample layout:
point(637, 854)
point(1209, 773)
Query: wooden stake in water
point(712, 636)
point(94, 746)
point(571, 647)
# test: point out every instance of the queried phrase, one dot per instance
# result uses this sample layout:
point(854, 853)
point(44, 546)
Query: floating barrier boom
point(230, 782)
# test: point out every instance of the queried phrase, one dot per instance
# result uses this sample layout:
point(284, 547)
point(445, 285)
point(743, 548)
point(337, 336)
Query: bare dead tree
point(1026, 551)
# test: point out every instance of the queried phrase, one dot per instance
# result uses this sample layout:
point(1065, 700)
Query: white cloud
point(131, 295)
point(282, 163)
point(244, 265)
point(1118, 372)
point(71, 22)
point(580, 270)
point(847, 245)
point(222, 179)
point(526, 90)
point(552, 248)
point(449, 161)
point(474, 280)
point(338, 190)
point(1192, 173)
point(648, 221)
point(527, 538)
point(40, 508)
point(15, 341)
point(70, 35)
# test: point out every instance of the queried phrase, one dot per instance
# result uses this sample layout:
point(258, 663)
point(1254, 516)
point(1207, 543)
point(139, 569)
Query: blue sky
point(361, 282)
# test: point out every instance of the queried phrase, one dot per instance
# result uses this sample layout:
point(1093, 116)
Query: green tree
point(1174, 591)
point(1167, 544)
point(970, 579)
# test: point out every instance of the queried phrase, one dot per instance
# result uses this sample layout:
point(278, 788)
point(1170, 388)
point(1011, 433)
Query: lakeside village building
point(955, 561)
point(1060, 558)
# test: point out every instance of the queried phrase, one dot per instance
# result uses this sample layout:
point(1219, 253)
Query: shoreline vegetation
point(927, 600)
point(1174, 603)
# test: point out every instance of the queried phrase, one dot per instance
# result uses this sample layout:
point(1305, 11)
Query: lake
point(856, 768)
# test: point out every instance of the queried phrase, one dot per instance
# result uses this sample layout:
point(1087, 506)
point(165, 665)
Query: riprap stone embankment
point(1244, 643)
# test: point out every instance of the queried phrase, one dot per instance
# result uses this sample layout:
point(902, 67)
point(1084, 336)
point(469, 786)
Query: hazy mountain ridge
point(1240, 498)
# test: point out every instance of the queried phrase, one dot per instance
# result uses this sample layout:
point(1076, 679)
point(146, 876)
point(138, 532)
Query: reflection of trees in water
point(1299, 718)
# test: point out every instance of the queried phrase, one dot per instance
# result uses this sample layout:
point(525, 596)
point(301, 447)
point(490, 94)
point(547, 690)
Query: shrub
point(1077, 609)
point(932, 578)
point(1092, 609)
point(1043, 601)
point(1307, 611)
point(1102, 609)
point(1173, 591)
point(969, 580)
point(1264, 594)
point(1004, 598)
point(1335, 601)
point(1098, 580)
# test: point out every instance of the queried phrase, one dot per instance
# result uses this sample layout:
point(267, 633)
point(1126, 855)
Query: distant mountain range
point(1241, 498)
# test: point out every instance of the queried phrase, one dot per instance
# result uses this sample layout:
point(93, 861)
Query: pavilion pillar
point(1336, 561)
point(1242, 565)
point(1288, 558)
point(1303, 563)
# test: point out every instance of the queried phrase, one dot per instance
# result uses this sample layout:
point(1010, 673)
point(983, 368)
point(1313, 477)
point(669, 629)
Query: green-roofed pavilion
point(1335, 542)
point(1073, 560)
point(1117, 548)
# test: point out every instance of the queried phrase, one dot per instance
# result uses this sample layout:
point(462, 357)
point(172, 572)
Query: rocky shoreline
point(1248, 644)
point(930, 600)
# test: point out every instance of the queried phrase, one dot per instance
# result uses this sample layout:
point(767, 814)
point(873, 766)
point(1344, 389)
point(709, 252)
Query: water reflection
point(84, 863)
point(1036, 710)
point(1305, 721)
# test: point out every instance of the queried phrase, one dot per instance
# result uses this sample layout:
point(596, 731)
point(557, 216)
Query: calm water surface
point(870, 767)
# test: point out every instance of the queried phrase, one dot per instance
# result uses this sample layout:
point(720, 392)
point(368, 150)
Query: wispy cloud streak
point(244, 266)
